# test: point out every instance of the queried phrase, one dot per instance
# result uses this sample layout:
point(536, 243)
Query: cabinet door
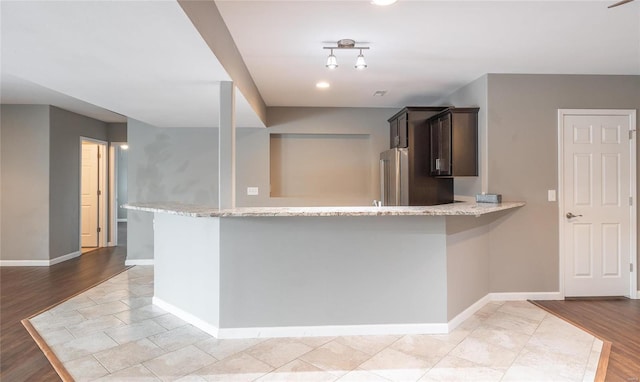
point(403, 131)
point(394, 139)
point(441, 145)
point(445, 145)
point(434, 132)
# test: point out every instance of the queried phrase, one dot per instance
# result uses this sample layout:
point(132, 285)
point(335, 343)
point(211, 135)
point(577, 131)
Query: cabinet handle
point(438, 164)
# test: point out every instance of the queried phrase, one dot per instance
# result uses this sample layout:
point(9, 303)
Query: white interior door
point(89, 195)
point(597, 206)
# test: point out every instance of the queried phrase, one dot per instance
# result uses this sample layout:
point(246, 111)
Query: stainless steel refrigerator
point(405, 179)
point(394, 177)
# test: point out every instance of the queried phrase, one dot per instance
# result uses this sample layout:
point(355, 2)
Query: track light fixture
point(360, 63)
point(346, 43)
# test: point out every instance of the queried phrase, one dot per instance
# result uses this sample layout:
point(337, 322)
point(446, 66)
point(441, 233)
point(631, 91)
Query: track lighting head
point(332, 62)
point(360, 63)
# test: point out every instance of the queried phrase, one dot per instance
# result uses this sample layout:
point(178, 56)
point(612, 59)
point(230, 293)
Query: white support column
point(227, 147)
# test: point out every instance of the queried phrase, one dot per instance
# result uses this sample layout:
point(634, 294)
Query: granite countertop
point(452, 209)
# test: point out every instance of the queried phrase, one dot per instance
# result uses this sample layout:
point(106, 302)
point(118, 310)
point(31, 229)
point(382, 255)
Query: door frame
point(633, 255)
point(113, 191)
point(102, 185)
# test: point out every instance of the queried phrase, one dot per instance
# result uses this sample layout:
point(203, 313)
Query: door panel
point(582, 179)
point(610, 180)
point(583, 244)
point(89, 195)
point(611, 250)
point(596, 190)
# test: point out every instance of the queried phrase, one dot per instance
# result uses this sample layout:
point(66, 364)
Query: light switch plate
point(252, 191)
point(551, 195)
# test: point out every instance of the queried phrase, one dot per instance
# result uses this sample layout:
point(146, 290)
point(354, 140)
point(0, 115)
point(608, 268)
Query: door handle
point(570, 215)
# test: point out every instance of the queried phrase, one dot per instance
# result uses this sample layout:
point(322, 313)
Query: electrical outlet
point(551, 195)
point(252, 191)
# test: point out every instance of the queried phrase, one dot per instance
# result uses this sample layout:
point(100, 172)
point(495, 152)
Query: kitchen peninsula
point(315, 271)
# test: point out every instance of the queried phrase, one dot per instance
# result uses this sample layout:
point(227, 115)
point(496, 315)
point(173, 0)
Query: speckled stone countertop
point(452, 209)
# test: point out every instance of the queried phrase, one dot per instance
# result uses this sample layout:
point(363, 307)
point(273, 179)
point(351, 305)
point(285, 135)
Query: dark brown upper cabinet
point(402, 124)
point(454, 142)
point(398, 125)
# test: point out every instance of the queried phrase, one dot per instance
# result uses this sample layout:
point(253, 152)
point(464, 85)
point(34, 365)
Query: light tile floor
point(113, 333)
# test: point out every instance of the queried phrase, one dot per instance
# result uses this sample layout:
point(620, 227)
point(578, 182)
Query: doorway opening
point(118, 193)
point(93, 194)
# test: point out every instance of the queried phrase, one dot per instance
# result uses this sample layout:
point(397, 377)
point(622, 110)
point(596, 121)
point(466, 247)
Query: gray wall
point(24, 206)
point(522, 164)
point(180, 164)
point(474, 94)
point(117, 132)
point(190, 281)
point(64, 170)
point(332, 271)
point(337, 167)
point(41, 180)
point(121, 192)
point(253, 156)
point(167, 164)
point(467, 261)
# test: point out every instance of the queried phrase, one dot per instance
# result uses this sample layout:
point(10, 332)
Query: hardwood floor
point(617, 321)
point(26, 291)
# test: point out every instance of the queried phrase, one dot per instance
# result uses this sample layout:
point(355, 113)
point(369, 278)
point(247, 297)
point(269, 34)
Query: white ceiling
point(423, 50)
point(16, 90)
point(145, 60)
point(140, 59)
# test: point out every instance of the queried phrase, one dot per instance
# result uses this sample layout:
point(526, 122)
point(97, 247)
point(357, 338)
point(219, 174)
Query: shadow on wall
point(150, 185)
point(174, 164)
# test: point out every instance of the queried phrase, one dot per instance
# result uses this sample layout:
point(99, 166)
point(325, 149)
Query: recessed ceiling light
point(322, 85)
point(383, 2)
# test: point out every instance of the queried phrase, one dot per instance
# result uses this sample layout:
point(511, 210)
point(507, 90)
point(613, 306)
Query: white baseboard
point(188, 317)
point(139, 262)
point(470, 311)
point(351, 330)
point(523, 296)
point(66, 257)
point(39, 263)
point(300, 331)
point(332, 330)
point(24, 263)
